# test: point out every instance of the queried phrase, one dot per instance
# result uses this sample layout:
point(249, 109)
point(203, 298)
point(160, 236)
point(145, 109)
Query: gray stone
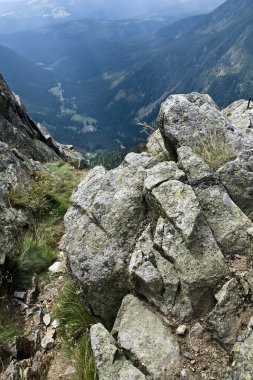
point(20, 295)
point(180, 205)
point(186, 374)
point(155, 145)
point(196, 170)
point(185, 119)
point(100, 228)
point(230, 226)
point(239, 115)
point(181, 330)
point(198, 268)
point(111, 364)
point(57, 267)
point(146, 339)
point(224, 322)
point(197, 330)
point(47, 342)
point(227, 222)
point(162, 172)
point(242, 367)
point(144, 160)
point(19, 131)
point(47, 319)
point(237, 177)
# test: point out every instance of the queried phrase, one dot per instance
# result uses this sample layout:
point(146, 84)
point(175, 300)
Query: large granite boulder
point(165, 240)
point(240, 115)
point(237, 177)
point(187, 118)
point(106, 213)
point(146, 339)
point(110, 361)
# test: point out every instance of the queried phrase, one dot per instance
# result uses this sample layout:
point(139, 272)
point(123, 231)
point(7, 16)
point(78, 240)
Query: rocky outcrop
point(186, 119)
point(15, 169)
point(24, 146)
point(19, 131)
point(162, 249)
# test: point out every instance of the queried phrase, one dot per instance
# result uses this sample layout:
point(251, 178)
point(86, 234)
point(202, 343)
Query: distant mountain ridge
point(27, 14)
point(105, 74)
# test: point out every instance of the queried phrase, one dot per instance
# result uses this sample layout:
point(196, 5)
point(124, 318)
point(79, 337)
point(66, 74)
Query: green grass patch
point(8, 330)
point(47, 199)
point(214, 150)
point(75, 322)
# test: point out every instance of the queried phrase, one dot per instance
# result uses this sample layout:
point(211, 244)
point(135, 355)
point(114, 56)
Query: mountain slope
point(109, 73)
point(24, 14)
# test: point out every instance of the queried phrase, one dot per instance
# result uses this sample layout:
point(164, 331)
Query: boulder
point(230, 226)
point(146, 339)
point(242, 367)
point(224, 321)
point(163, 172)
point(240, 116)
point(110, 362)
point(179, 204)
point(101, 225)
point(237, 177)
point(187, 118)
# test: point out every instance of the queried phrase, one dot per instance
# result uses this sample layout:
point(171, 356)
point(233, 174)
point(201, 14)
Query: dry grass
point(214, 150)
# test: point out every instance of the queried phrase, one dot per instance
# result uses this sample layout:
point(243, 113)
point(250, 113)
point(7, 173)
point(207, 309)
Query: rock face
point(23, 149)
point(185, 119)
point(19, 131)
point(165, 240)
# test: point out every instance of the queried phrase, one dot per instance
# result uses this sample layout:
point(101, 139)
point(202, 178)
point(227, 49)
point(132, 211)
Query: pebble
point(197, 330)
point(51, 332)
point(57, 267)
point(188, 355)
point(181, 330)
point(47, 343)
point(186, 374)
point(70, 371)
point(56, 323)
point(20, 295)
point(47, 319)
point(38, 317)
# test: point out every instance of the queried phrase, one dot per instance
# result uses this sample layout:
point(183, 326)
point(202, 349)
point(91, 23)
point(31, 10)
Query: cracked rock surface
point(164, 240)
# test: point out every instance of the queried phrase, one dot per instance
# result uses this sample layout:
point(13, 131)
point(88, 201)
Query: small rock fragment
point(47, 319)
point(197, 330)
point(38, 317)
point(47, 343)
point(186, 374)
point(56, 323)
point(188, 355)
point(181, 330)
point(20, 295)
point(70, 371)
point(57, 267)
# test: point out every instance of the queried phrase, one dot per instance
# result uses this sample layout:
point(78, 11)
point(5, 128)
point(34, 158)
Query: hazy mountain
point(108, 73)
point(27, 14)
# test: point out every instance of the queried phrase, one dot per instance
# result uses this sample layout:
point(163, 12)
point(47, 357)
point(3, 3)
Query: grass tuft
point(75, 322)
point(214, 150)
point(8, 330)
point(48, 200)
